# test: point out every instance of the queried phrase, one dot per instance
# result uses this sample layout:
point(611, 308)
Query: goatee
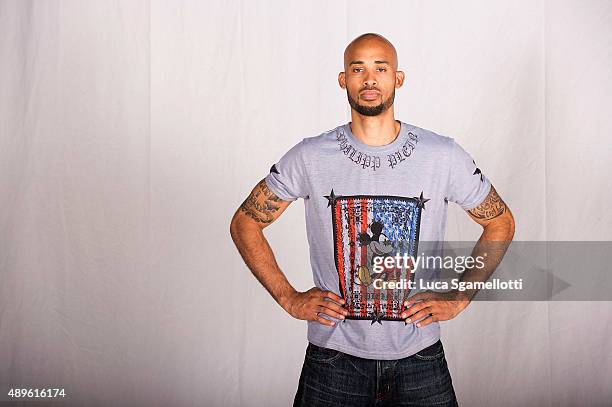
point(371, 110)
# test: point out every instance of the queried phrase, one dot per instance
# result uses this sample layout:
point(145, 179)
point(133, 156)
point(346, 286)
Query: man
point(372, 188)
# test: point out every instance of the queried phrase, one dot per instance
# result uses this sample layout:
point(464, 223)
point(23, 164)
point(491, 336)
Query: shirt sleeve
point(467, 186)
point(287, 177)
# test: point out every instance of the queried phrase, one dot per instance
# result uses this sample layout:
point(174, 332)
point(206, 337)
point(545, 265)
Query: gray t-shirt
point(364, 202)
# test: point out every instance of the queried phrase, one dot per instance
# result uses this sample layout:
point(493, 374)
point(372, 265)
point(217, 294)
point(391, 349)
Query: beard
point(371, 110)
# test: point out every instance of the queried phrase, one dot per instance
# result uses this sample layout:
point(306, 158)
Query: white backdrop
point(131, 130)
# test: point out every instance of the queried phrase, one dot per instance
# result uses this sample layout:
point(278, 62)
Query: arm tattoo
point(261, 204)
point(490, 208)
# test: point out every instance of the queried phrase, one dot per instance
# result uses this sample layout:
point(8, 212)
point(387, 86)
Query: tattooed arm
point(260, 209)
point(262, 205)
point(498, 230)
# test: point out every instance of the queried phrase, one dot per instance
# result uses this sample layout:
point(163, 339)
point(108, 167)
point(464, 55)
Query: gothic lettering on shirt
point(404, 152)
point(360, 158)
point(373, 161)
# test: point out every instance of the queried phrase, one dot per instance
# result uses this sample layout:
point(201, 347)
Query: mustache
point(369, 88)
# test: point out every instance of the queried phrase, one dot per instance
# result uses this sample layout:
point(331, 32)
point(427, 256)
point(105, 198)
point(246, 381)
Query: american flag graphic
point(367, 227)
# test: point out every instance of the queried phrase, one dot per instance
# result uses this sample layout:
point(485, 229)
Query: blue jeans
point(333, 378)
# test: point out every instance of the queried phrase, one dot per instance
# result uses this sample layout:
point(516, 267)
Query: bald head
point(370, 43)
point(370, 75)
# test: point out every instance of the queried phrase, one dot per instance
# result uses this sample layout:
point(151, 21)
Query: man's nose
point(370, 80)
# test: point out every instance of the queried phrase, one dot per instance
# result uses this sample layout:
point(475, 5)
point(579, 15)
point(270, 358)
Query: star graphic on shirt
point(477, 171)
point(377, 317)
point(273, 169)
point(330, 198)
point(420, 201)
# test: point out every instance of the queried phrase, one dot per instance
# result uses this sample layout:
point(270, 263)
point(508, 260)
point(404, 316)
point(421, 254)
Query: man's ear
point(342, 80)
point(399, 79)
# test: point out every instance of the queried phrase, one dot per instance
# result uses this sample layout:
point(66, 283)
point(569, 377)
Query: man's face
point(370, 76)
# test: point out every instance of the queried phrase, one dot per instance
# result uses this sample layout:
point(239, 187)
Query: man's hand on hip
point(434, 307)
point(309, 306)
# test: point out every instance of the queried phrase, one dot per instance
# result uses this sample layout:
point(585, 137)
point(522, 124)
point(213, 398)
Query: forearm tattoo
point(261, 204)
point(490, 208)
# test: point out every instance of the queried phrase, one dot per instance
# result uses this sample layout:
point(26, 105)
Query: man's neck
point(375, 130)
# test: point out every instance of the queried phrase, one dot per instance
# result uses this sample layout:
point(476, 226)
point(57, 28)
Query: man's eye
point(357, 69)
point(382, 69)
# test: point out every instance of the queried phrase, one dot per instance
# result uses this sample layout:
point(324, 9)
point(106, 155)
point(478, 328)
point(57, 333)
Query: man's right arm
point(261, 208)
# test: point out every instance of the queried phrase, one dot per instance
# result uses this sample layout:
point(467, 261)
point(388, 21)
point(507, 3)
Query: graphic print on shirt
point(367, 228)
point(365, 160)
point(478, 172)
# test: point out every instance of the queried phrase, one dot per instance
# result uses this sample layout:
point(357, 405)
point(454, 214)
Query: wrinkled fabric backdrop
point(132, 130)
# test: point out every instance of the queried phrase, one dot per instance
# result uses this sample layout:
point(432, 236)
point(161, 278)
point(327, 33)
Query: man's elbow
point(510, 226)
point(235, 226)
point(502, 226)
point(507, 225)
point(241, 224)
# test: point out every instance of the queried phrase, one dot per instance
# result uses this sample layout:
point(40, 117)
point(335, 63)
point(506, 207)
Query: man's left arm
point(498, 230)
